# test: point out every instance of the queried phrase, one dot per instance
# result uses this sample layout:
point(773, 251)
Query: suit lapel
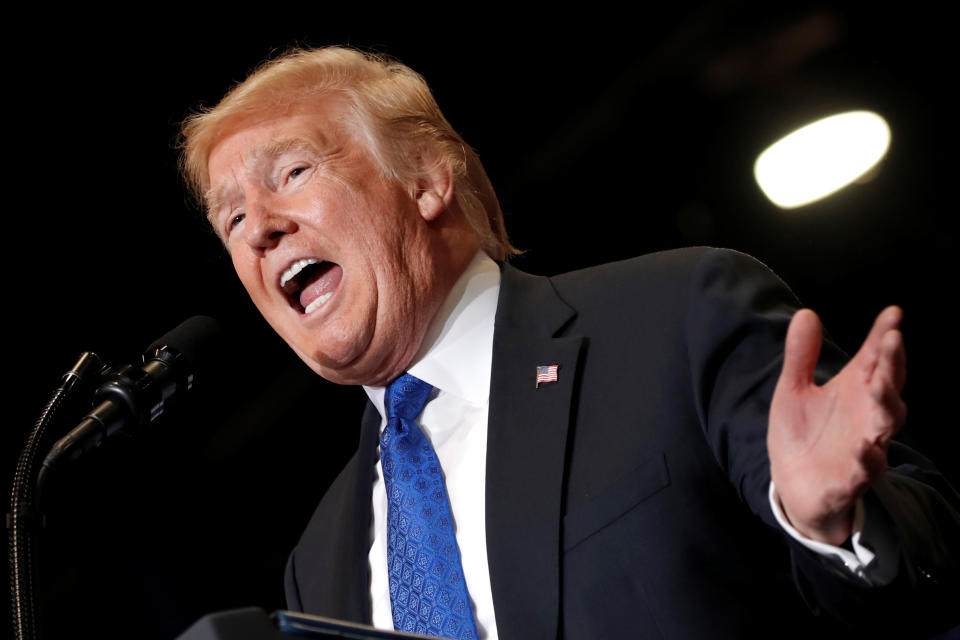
point(357, 583)
point(333, 553)
point(526, 452)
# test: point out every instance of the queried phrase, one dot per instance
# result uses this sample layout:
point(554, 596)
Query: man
point(603, 434)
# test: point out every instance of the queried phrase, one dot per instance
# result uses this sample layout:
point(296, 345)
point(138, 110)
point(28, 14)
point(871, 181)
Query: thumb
point(802, 349)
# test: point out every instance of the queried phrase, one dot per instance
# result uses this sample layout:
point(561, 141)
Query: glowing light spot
point(821, 158)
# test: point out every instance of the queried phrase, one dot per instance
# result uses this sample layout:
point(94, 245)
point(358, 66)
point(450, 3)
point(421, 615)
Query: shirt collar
point(457, 350)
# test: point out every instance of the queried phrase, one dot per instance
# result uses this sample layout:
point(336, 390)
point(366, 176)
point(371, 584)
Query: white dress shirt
point(456, 359)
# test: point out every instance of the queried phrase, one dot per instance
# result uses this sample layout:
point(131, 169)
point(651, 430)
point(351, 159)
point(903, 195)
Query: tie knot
point(406, 396)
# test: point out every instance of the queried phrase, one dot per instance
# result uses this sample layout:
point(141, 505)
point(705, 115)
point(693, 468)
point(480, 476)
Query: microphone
point(135, 396)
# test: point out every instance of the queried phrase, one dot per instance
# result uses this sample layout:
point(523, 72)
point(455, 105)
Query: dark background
point(607, 135)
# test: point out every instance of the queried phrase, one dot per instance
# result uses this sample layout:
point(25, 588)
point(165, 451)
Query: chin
point(343, 370)
point(376, 368)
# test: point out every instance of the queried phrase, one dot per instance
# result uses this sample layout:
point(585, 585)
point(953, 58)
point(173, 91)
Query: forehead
point(313, 126)
point(317, 122)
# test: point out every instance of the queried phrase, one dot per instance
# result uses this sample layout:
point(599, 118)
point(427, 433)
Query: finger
point(887, 320)
point(802, 349)
point(892, 361)
point(891, 411)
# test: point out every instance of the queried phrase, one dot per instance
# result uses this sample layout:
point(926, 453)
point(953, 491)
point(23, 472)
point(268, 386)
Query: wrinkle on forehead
point(261, 154)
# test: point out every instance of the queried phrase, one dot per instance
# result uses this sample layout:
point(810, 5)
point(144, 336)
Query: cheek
point(246, 269)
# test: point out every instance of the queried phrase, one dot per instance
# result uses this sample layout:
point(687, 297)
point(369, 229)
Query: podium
point(253, 623)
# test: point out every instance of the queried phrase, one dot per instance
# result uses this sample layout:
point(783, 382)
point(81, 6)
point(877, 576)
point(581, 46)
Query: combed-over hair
point(395, 114)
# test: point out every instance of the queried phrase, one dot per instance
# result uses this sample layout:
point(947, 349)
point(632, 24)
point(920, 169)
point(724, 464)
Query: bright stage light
point(821, 158)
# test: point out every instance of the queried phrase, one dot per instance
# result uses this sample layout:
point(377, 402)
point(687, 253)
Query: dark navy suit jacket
point(629, 498)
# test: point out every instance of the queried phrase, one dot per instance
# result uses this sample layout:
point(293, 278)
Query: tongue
point(320, 282)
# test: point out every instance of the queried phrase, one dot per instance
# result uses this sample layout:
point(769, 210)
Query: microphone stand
point(25, 518)
point(131, 397)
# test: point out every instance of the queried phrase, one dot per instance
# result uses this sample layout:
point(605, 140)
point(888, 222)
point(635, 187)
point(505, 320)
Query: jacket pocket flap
point(646, 479)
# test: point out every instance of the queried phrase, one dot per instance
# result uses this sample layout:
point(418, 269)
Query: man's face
point(336, 257)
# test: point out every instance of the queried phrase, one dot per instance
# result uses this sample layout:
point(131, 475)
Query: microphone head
point(197, 340)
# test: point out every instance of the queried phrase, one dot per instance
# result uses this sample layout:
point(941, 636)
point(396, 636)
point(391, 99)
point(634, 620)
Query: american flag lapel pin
point(546, 373)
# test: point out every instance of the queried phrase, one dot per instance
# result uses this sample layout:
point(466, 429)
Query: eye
point(235, 219)
point(296, 173)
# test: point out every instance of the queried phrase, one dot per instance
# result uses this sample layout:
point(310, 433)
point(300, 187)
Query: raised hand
point(828, 443)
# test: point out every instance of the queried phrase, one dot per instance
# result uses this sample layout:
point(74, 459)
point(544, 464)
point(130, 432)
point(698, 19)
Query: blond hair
point(395, 115)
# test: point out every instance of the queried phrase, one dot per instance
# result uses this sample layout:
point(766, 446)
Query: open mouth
point(308, 283)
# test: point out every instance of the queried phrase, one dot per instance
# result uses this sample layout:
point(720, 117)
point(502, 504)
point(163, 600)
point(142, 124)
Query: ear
point(435, 188)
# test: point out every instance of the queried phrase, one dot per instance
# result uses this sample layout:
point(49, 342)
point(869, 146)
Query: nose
point(266, 224)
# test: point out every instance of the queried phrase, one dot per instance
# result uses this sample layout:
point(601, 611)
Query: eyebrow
point(270, 150)
point(276, 148)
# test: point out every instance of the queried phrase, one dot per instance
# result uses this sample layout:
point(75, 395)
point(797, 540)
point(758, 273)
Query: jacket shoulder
point(673, 265)
point(680, 282)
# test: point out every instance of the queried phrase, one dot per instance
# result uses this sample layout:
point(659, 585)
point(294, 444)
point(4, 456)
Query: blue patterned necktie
point(428, 593)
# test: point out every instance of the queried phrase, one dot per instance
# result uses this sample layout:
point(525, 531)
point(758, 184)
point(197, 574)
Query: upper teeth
point(294, 269)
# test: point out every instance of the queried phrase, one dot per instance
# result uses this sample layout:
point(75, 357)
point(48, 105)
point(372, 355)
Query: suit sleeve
point(738, 312)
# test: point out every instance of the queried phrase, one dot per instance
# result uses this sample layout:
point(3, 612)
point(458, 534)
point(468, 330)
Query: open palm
point(828, 443)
